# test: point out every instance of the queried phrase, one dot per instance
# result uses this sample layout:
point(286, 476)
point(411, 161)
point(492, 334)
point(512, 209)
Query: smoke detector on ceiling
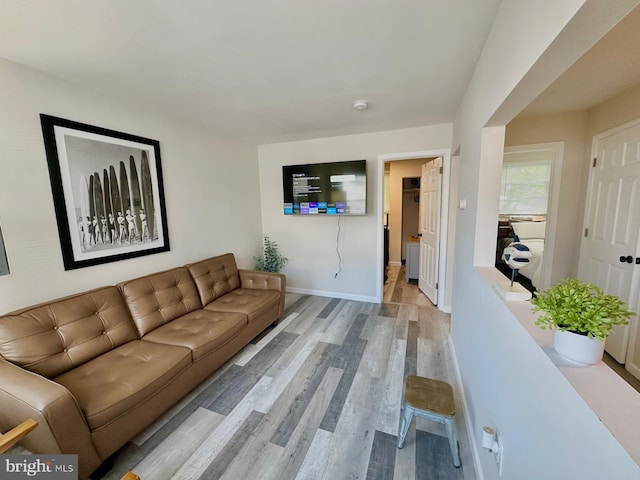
point(360, 105)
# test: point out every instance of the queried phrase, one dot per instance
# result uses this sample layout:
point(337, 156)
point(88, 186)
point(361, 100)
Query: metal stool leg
point(450, 423)
point(406, 415)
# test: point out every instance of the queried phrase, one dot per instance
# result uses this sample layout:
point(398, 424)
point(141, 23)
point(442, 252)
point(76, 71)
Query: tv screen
point(335, 188)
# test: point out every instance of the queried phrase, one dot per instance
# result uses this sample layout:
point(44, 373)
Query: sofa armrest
point(265, 281)
point(61, 425)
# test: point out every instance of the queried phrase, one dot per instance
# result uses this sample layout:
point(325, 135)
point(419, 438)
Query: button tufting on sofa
point(105, 364)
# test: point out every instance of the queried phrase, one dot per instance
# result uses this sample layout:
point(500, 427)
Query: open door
point(610, 256)
point(429, 228)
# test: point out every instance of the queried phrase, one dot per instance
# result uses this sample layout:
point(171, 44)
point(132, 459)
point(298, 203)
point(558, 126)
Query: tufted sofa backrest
point(215, 276)
point(160, 297)
point(52, 338)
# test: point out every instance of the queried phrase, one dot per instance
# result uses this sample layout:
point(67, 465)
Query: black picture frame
point(99, 219)
point(4, 262)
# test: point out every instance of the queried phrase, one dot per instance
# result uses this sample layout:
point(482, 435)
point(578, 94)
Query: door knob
point(627, 259)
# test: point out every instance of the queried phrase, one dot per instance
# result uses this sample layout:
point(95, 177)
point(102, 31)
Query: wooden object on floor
point(433, 400)
point(278, 389)
point(130, 476)
point(14, 435)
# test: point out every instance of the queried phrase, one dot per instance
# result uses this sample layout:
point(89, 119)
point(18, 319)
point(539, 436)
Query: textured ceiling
point(262, 71)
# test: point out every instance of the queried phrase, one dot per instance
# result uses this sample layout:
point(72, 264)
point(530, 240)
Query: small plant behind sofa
point(271, 260)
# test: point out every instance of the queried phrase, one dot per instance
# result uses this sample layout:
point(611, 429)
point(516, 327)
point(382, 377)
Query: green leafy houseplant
point(270, 260)
point(579, 307)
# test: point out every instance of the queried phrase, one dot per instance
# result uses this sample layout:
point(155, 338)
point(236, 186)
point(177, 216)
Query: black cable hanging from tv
point(338, 249)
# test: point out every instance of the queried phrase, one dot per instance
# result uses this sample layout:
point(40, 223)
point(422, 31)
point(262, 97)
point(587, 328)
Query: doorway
point(395, 241)
point(410, 210)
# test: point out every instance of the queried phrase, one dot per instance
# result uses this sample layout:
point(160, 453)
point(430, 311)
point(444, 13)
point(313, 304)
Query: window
point(525, 187)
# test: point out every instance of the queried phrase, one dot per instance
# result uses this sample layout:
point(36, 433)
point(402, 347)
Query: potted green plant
point(271, 260)
point(582, 316)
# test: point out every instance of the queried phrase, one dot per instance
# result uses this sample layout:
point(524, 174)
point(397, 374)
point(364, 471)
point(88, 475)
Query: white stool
point(433, 400)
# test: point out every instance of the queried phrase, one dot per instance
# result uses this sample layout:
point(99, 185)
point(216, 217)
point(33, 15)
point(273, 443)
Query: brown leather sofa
point(96, 368)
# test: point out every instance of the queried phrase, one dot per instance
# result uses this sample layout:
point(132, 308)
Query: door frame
point(553, 201)
point(445, 153)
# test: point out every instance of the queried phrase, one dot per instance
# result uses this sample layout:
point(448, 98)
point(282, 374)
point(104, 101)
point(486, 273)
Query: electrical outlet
point(498, 455)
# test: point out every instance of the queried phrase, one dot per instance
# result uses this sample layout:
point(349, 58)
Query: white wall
point(310, 242)
point(576, 130)
point(623, 108)
point(548, 430)
point(211, 189)
point(451, 232)
point(402, 206)
point(569, 128)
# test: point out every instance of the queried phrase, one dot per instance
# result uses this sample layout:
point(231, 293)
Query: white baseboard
point(446, 309)
point(395, 264)
point(475, 452)
point(324, 293)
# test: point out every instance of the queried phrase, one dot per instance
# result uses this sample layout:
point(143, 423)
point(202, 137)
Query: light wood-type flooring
point(317, 397)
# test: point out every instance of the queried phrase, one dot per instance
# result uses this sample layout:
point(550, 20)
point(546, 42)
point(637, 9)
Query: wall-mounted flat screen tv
point(334, 188)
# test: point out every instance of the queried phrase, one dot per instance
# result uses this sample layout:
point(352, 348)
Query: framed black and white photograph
point(107, 193)
point(4, 263)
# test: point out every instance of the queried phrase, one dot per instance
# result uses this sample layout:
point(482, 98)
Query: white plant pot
point(578, 348)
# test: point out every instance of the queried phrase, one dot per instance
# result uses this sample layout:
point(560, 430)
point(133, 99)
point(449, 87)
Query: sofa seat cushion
point(201, 331)
point(253, 303)
point(121, 379)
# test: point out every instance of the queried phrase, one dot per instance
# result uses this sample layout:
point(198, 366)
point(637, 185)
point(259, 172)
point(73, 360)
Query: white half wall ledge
point(341, 295)
point(596, 384)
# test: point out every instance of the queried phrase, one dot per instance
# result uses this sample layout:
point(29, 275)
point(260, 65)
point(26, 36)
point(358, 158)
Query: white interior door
point(429, 228)
point(613, 223)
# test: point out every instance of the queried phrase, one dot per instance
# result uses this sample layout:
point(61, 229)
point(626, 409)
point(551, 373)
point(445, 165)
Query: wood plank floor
point(317, 397)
